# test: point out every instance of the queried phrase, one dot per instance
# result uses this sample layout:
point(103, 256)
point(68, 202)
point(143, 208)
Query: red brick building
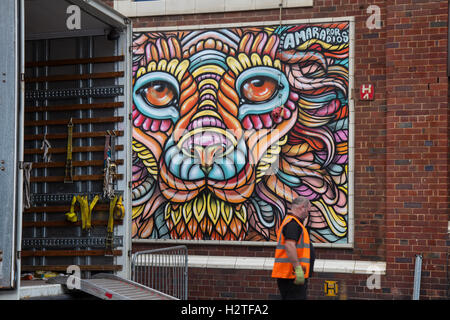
point(400, 160)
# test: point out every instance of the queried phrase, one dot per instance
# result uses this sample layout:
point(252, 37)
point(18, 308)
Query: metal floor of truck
point(101, 286)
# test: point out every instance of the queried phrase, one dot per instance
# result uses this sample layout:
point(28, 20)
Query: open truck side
point(65, 65)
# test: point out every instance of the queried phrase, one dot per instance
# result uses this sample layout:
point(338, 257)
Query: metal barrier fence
point(164, 269)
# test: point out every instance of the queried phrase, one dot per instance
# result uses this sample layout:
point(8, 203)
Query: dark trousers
point(291, 291)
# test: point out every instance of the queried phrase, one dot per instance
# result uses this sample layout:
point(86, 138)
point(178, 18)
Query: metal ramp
point(110, 287)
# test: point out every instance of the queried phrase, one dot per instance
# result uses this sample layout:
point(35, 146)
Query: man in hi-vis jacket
point(294, 254)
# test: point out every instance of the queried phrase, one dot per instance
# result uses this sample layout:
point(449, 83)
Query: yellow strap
point(119, 210)
point(68, 177)
point(112, 206)
point(69, 139)
point(84, 207)
point(91, 207)
point(71, 215)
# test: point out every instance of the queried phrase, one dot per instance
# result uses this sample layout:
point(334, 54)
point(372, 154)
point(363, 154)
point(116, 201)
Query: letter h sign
point(366, 92)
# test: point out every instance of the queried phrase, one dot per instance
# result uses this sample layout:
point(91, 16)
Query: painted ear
point(166, 49)
point(305, 70)
point(146, 49)
point(260, 43)
point(139, 42)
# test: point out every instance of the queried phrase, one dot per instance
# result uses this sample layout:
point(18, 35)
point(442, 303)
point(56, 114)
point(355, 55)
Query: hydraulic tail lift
point(65, 85)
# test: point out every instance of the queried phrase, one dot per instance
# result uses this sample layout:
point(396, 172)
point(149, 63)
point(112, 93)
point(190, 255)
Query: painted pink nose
point(207, 154)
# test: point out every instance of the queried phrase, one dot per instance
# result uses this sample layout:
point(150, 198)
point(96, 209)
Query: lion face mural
point(230, 125)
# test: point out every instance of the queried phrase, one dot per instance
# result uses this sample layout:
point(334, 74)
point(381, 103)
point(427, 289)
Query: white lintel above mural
point(141, 8)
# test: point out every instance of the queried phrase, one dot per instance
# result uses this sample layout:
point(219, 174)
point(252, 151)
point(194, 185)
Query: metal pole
point(159, 272)
point(175, 273)
point(34, 186)
point(185, 274)
point(166, 272)
point(151, 270)
point(78, 184)
point(417, 276)
point(46, 129)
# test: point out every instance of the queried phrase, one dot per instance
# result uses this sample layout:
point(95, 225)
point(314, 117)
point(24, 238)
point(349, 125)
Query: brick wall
point(417, 145)
point(256, 285)
point(401, 157)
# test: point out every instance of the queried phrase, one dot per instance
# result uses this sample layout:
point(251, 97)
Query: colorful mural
point(231, 124)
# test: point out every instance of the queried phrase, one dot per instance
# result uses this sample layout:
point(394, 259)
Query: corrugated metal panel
point(9, 145)
point(84, 77)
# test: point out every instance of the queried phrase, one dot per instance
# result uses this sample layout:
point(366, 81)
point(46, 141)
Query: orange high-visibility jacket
point(282, 267)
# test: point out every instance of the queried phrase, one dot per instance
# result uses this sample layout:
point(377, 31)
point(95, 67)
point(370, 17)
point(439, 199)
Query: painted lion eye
point(159, 93)
point(259, 89)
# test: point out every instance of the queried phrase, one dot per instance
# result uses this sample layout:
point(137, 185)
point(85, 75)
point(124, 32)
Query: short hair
point(301, 201)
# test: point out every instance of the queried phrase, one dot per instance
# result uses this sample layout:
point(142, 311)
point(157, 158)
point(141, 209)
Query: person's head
point(300, 207)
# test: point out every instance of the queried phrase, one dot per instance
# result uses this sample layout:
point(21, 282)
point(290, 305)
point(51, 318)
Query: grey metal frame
point(70, 242)
point(82, 47)
point(111, 287)
point(164, 269)
point(12, 93)
point(83, 91)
